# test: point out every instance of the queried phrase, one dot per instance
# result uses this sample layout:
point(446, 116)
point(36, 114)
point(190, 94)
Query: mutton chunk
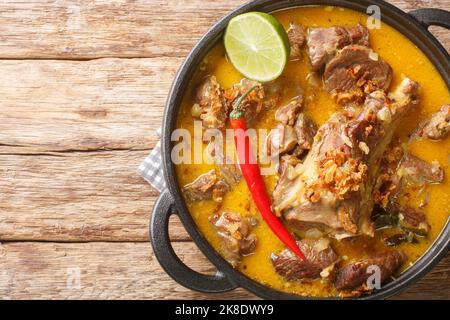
point(252, 104)
point(354, 276)
point(295, 132)
point(207, 186)
point(419, 170)
point(297, 37)
point(234, 233)
point(288, 113)
point(280, 140)
point(229, 169)
point(287, 163)
point(412, 219)
point(306, 129)
point(332, 188)
point(283, 138)
point(354, 72)
point(324, 43)
point(209, 98)
point(320, 260)
point(438, 127)
point(388, 183)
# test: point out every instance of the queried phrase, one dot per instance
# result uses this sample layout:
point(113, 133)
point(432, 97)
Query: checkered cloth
point(151, 169)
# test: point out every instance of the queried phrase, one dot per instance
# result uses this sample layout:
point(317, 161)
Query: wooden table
point(82, 91)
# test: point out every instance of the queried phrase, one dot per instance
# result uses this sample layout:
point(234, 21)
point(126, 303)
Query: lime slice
point(257, 45)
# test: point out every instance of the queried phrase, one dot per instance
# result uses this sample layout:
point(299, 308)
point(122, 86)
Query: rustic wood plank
point(95, 196)
point(43, 270)
point(108, 271)
point(88, 105)
point(73, 105)
point(84, 29)
point(64, 29)
point(48, 106)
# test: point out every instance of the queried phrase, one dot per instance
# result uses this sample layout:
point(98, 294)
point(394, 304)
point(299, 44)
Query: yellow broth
point(405, 59)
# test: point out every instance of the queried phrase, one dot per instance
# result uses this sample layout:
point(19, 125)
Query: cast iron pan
point(413, 25)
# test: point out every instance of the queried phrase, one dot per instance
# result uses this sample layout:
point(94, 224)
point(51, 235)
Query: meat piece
point(235, 236)
point(306, 129)
point(419, 171)
point(206, 187)
point(399, 238)
point(286, 168)
point(297, 37)
point(355, 71)
point(359, 35)
point(323, 43)
point(332, 189)
point(319, 255)
point(229, 169)
point(252, 104)
point(288, 162)
point(273, 92)
point(296, 129)
point(248, 244)
point(414, 220)
point(438, 126)
point(354, 276)
point(210, 99)
point(288, 113)
point(388, 184)
point(280, 140)
point(231, 172)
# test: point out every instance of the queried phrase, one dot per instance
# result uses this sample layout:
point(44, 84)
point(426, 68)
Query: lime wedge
point(257, 45)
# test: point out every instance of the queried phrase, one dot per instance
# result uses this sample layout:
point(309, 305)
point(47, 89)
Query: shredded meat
point(306, 129)
point(209, 96)
point(354, 72)
point(388, 184)
point(412, 219)
point(280, 140)
point(419, 170)
point(324, 43)
point(229, 169)
point(332, 189)
point(297, 37)
point(252, 104)
point(206, 187)
point(288, 113)
point(287, 163)
point(320, 260)
point(438, 127)
point(354, 276)
point(234, 233)
point(295, 133)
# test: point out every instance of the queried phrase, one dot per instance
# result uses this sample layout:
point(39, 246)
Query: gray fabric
point(151, 169)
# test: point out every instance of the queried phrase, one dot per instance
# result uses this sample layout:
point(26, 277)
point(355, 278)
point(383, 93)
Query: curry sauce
point(405, 59)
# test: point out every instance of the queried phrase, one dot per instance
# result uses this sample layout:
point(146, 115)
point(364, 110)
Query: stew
point(360, 121)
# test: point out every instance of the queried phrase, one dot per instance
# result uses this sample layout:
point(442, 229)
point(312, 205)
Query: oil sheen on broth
point(405, 59)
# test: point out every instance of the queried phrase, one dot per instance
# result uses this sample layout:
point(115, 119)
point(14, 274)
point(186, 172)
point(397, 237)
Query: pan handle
point(432, 17)
point(159, 235)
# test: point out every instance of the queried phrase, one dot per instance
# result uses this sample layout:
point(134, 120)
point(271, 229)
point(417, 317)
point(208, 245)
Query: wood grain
point(44, 270)
point(101, 104)
point(76, 196)
point(84, 29)
point(73, 132)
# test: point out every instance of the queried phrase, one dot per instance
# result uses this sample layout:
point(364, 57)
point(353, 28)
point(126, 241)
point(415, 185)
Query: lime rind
point(257, 45)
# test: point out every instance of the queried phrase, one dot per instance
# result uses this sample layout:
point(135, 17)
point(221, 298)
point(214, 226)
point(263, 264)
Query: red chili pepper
point(252, 175)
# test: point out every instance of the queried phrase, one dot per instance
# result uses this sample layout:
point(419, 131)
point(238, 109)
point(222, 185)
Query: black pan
point(413, 25)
